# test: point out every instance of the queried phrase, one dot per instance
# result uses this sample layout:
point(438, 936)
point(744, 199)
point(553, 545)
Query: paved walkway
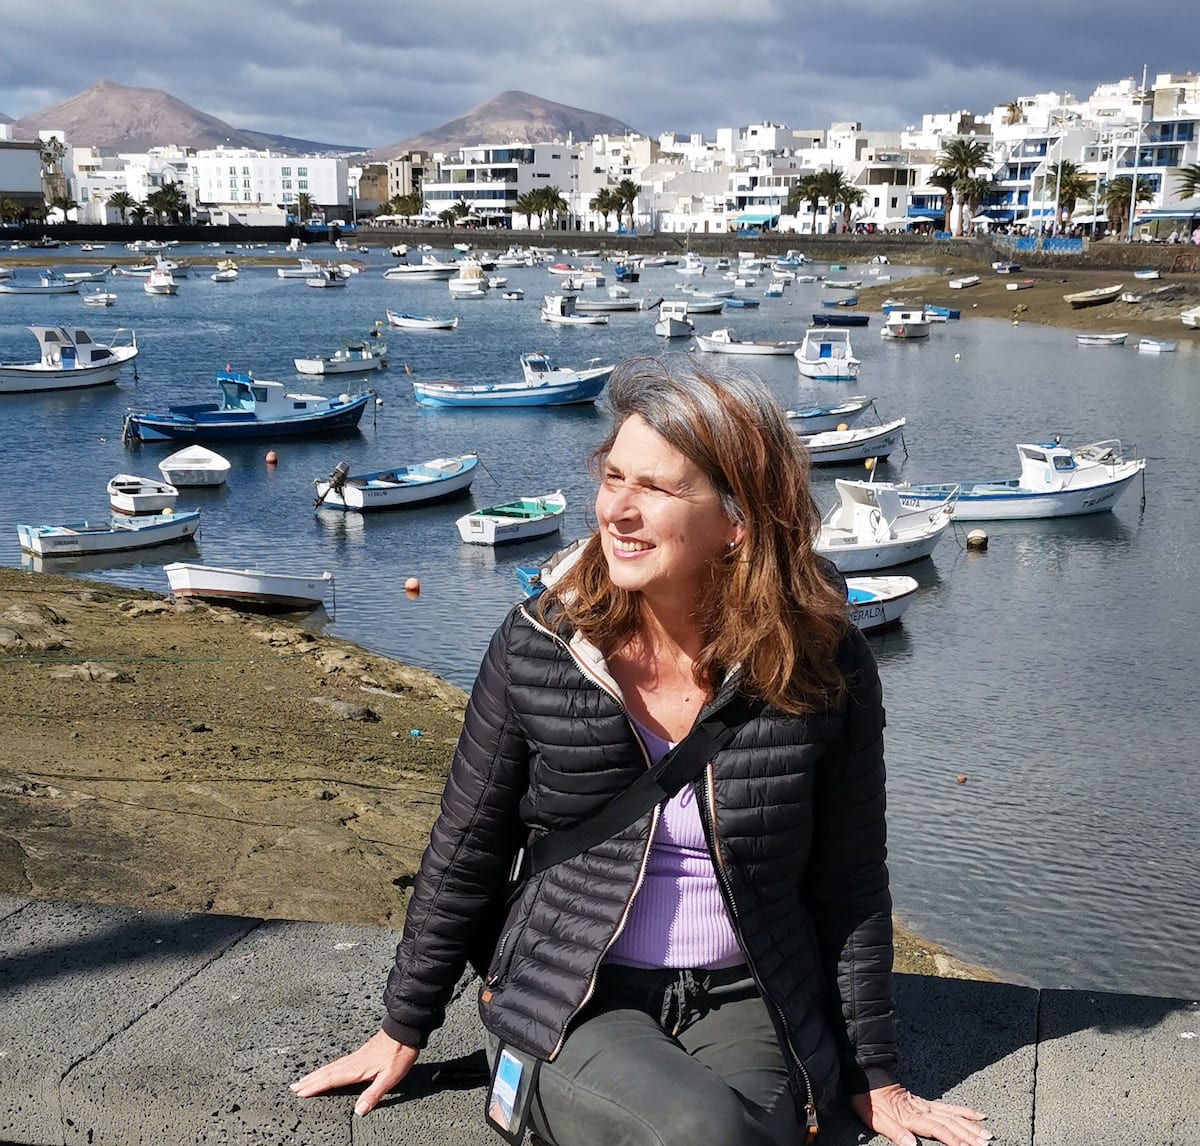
point(124, 1027)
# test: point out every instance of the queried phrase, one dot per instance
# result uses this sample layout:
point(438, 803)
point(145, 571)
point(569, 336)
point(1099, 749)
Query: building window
point(287, 184)
point(233, 171)
point(285, 171)
point(245, 170)
point(245, 183)
point(245, 196)
point(302, 171)
point(303, 183)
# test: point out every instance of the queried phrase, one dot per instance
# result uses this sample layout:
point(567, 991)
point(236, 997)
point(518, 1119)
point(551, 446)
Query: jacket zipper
point(643, 863)
point(709, 805)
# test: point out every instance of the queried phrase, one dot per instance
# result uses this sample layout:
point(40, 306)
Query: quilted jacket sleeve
point(846, 884)
point(466, 864)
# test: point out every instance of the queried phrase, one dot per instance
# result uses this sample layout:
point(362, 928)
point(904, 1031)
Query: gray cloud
point(375, 71)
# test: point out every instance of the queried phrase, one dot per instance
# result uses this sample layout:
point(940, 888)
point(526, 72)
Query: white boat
point(86, 276)
point(327, 277)
point(696, 305)
point(401, 485)
point(560, 310)
point(194, 465)
point(673, 320)
point(349, 358)
point(1084, 298)
point(100, 297)
point(47, 282)
point(839, 416)
point(305, 269)
point(722, 341)
point(1054, 482)
point(429, 269)
point(518, 520)
point(254, 588)
point(878, 602)
point(963, 282)
point(1020, 284)
point(826, 354)
point(470, 282)
point(69, 360)
point(836, 447)
point(870, 528)
point(613, 304)
point(1146, 273)
point(1155, 346)
point(1097, 339)
point(1191, 317)
point(160, 281)
point(108, 536)
point(420, 321)
point(225, 275)
point(906, 324)
point(542, 384)
point(128, 493)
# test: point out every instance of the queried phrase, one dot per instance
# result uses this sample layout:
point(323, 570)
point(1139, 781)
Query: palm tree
point(1013, 113)
point(962, 158)
point(10, 210)
point(946, 181)
point(122, 202)
point(169, 201)
point(139, 211)
point(848, 198)
point(63, 203)
point(1070, 185)
point(975, 192)
point(808, 191)
point(54, 183)
point(1187, 181)
point(410, 205)
point(304, 206)
point(1116, 194)
point(626, 194)
point(526, 205)
point(447, 217)
point(604, 204)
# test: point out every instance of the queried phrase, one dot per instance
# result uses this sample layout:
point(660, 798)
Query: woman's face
point(661, 524)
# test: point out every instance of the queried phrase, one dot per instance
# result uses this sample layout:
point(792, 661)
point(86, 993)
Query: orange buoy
point(842, 426)
point(960, 779)
point(412, 585)
point(868, 464)
point(271, 459)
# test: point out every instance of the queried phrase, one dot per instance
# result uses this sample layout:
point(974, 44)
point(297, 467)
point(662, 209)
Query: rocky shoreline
point(175, 756)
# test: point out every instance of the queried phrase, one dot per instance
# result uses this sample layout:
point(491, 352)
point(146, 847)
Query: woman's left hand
point(900, 1117)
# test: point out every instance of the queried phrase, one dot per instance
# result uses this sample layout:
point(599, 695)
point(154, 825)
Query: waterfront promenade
point(126, 1027)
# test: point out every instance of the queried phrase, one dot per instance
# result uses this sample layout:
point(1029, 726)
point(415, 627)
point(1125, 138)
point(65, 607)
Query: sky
point(374, 72)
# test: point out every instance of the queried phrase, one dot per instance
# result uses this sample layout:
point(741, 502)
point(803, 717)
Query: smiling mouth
point(628, 546)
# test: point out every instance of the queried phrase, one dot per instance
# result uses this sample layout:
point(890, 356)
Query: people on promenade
point(711, 962)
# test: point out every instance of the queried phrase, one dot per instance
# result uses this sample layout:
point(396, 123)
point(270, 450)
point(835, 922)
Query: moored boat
point(838, 416)
point(248, 588)
point(869, 528)
point(1054, 482)
point(906, 324)
point(963, 282)
point(825, 319)
point(673, 320)
point(420, 321)
point(46, 282)
point(1155, 346)
point(70, 360)
point(722, 341)
point(1019, 284)
point(249, 407)
point(350, 358)
point(559, 309)
point(113, 535)
point(826, 353)
point(1099, 339)
point(160, 281)
point(128, 493)
point(837, 447)
point(518, 520)
point(417, 484)
point(194, 465)
point(542, 384)
point(879, 602)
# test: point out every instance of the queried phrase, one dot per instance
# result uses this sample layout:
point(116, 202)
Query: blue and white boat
point(420, 484)
point(826, 318)
point(47, 282)
point(542, 384)
point(826, 354)
point(1054, 482)
point(818, 419)
point(846, 300)
point(735, 302)
point(113, 535)
point(879, 602)
point(249, 407)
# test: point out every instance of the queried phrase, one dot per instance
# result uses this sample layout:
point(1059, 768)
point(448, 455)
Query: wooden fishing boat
point(518, 520)
point(255, 589)
point(418, 484)
point(114, 535)
point(1097, 297)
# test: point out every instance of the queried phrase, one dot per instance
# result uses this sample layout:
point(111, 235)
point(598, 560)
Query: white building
point(252, 186)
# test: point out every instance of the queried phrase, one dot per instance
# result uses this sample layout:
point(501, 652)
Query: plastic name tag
point(514, 1083)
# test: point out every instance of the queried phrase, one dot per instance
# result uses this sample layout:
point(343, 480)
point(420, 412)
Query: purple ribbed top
point(678, 918)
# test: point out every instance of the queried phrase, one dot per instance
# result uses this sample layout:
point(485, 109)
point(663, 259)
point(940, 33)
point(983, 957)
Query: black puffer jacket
point(799, 847)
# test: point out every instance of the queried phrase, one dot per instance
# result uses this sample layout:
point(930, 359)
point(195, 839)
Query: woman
point(718, 969)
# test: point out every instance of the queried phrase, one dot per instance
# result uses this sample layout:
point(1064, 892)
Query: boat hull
point(837, 447)
point(984, 501)
point(247, 588)
point(820, 419)
point(852, 557)
point(879, 602)
point(372, 491)
point(115, 536)
point(539, 518)
point(194, 466)
point(584, 388)
point(180, 427)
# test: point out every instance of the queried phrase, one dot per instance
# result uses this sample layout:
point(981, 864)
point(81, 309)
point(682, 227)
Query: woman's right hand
point(380, 1060)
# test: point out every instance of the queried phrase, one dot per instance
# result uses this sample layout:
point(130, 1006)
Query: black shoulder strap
point(678, 767)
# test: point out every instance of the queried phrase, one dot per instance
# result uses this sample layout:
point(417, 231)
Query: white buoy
point(977, 539)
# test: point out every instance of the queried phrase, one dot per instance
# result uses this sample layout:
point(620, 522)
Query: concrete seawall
point(123, 1026)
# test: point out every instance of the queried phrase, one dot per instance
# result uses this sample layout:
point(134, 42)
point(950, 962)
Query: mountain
point(510, 117)
point(5, 118)
point(120, 118)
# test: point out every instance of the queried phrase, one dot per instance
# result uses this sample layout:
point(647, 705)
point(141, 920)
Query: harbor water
point(1056, 672)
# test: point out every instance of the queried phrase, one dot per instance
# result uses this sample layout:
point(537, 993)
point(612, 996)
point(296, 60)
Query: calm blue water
point(1057, 671)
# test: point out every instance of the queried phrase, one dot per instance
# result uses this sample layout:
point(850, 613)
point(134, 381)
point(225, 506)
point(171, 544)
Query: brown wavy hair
point(767, 606)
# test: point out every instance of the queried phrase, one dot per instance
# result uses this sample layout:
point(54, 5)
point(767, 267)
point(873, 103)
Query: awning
point(1176, 212)
point(755, 218)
